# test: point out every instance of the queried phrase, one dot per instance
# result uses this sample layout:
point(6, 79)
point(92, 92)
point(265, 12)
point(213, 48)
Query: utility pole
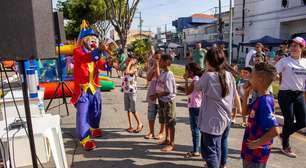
point(243, 20)
point(165, 38)
point(140, 24)
point(230, 45)
point(220, 22)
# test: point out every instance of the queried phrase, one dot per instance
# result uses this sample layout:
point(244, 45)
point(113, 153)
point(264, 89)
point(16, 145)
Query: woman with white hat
point(291, 95)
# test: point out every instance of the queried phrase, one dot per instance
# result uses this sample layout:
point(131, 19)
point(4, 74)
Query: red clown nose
point(93, 45)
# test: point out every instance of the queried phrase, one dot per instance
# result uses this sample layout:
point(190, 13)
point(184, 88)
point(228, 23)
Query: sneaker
point(244, 125)
point(288, 152)
point(96, 133)
point(89, 145)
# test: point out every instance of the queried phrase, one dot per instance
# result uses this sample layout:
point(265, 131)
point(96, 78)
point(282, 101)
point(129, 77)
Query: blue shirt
point(261, 120)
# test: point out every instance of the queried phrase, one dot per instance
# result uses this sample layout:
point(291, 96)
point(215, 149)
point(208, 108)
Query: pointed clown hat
point(86, 30)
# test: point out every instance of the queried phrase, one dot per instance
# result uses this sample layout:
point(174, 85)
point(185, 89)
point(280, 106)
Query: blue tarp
point(266, 40)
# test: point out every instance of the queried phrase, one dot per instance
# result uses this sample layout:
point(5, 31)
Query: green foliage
point(77, 10)
point(121, 14)
point(141, 49)
point(178, 70)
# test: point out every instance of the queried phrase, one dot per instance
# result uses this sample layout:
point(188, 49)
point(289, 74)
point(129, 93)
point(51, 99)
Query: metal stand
point(61, 84)
point(28, 114)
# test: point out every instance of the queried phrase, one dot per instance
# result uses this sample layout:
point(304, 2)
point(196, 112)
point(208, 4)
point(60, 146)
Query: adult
point(86, 96)
point(219, 90)
point(292, 69)
point(250, 58)
point(172, 54)
point(121, 62)
point(282, 52)
point(198, 55)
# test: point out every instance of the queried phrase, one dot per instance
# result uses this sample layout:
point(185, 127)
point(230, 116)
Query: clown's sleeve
point(101, 64)
point(81, 56)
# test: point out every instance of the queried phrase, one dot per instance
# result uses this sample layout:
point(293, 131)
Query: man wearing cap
point(86, 96)
point(291, 95)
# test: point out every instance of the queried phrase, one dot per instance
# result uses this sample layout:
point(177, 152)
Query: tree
point(102, 27)
point(121, 14)
point(75, 11)
point(141, 48)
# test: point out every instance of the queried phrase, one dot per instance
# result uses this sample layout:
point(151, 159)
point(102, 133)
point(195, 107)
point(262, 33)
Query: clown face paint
point(91, 42)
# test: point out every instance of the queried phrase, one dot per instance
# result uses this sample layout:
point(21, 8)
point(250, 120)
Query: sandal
point(243, 125)
point(192, 154)
point(139, 129)
point(130, 130)
point(168, 148)
point(149, 136)
point(159, 137)
point(165, 142)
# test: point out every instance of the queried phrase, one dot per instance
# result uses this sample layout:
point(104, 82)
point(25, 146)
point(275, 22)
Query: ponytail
point(216, 59)
point(224, 85)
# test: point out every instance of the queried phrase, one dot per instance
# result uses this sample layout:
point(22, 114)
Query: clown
point(86, 96)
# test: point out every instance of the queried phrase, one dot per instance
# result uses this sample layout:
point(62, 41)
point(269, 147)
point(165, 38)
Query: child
point(129, 87)
point(153, 74)
point(235, 73)
point(219, 93)
point(259, 58)
point(245, 74)
point(262, 126)
point(166, 92)
point(109, 66)
point(194, 72)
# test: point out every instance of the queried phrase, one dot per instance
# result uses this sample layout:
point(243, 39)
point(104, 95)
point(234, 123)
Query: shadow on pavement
point(127, 163)
point(178, 104)
point(115, 145)
point(234, 153)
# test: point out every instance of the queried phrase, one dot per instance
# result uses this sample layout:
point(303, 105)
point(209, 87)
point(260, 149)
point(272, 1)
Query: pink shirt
point(195, 98)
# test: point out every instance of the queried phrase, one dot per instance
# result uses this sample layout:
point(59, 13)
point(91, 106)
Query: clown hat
point(86, 30)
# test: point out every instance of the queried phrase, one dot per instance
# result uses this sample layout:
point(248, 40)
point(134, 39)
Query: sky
point(157, 13)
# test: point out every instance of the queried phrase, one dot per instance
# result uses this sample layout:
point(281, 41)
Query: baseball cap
point(299, 40)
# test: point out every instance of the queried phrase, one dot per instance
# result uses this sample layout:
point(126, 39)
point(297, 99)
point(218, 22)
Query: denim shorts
point(152, 111)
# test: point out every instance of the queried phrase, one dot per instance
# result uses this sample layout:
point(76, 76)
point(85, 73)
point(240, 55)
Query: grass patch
point(275, 88)
point(178, 70)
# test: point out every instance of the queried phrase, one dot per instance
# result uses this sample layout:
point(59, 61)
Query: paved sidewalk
point(119, 149)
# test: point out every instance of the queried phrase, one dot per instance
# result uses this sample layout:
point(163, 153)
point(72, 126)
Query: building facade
point(208, 32)
point(132, 35)
point(269, 17)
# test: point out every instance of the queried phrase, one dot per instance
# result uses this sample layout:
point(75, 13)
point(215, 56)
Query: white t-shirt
point(248, 58)
point(166, 83)
point(129, 84)
point(293, 73)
